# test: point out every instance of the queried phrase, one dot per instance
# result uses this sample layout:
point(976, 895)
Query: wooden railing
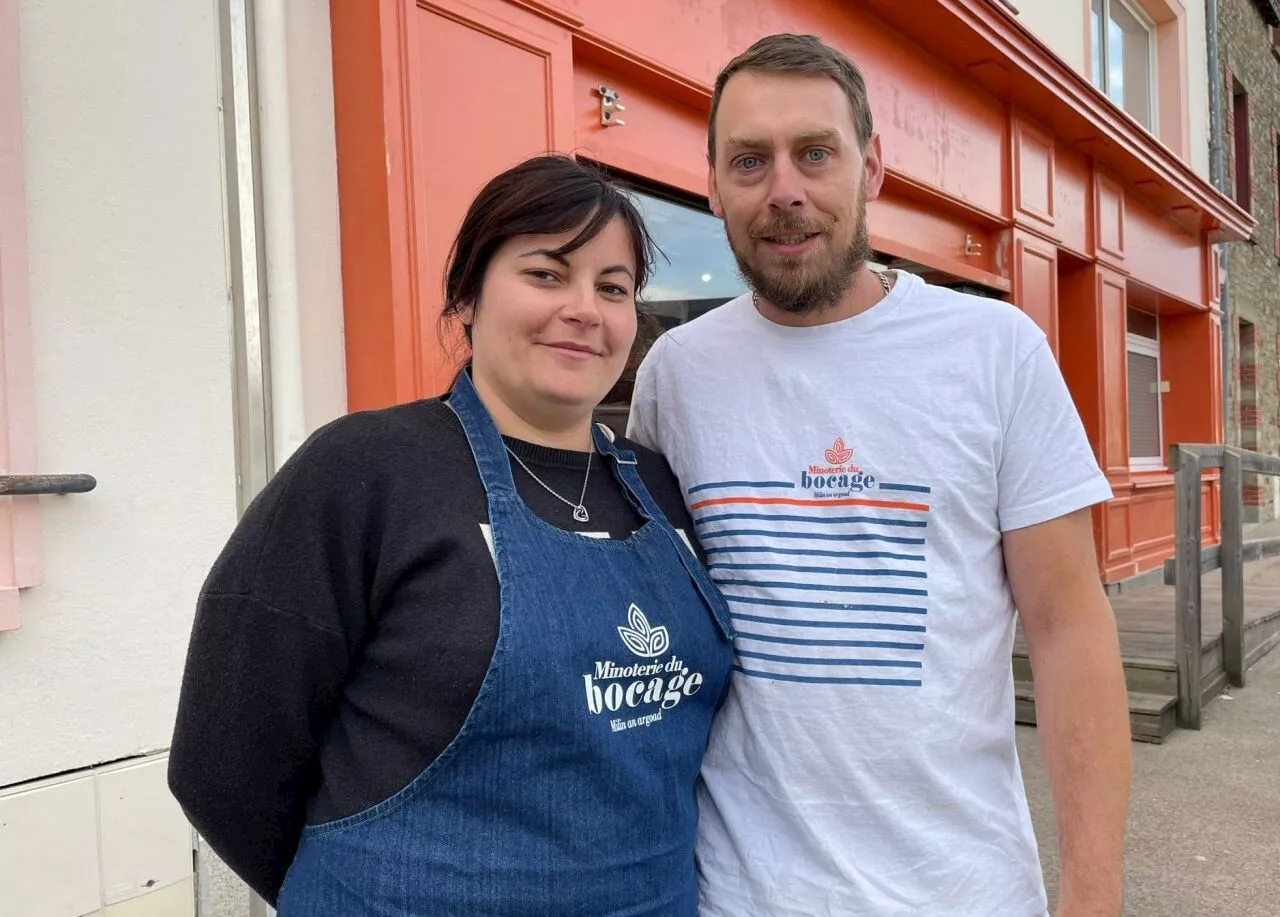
point(1191, 561)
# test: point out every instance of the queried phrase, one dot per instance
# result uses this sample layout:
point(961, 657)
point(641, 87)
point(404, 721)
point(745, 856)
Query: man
point(880, 471)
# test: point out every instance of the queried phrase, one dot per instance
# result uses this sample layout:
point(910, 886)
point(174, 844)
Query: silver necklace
point(881, 275)
point(580, 513)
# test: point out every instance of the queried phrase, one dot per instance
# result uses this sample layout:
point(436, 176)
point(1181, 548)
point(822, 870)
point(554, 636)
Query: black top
point(342, 636)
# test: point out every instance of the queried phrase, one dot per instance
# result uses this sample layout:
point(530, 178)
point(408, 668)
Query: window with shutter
point(1146, 445)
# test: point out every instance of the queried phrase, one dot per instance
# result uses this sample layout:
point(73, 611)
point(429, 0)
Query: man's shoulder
point(710, 325)
point(960, 305)
point(960, 319)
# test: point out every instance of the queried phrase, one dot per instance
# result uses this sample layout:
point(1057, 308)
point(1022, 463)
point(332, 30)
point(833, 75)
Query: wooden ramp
point(1145, 619)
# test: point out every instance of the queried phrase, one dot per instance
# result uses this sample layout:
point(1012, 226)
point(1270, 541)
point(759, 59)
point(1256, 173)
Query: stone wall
point(1249, 58)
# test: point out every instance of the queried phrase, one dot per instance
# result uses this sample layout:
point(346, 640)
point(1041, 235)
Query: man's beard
point(810, 285)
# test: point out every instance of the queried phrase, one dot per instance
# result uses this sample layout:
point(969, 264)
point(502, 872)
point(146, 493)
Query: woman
point(455, 660)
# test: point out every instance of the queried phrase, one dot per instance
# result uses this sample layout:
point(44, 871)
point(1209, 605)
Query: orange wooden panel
point(1109, 219)
point(1074, 208)
point(662, 140)
point(1209, 512)
point(1151, 517)
point(936, 129)
point(1119, 537)
point(375, 261)
point(1162, 256)
point(905, 227)
point(1188, 346)
point(1035, 282)
point(417, 135)
point(1034, 196)
point(1112, 325)
point(1079, 355)
point(467, 129)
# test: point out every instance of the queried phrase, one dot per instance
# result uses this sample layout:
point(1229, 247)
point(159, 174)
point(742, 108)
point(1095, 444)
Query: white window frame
point(1103, 80)
point(1145, 346)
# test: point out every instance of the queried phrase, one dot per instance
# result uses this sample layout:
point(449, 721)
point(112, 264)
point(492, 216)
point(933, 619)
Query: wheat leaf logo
point(839, 454)
point(641, 638)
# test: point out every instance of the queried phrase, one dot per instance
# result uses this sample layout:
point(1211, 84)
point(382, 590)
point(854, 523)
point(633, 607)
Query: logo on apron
point(647, 689)
point(645, 641)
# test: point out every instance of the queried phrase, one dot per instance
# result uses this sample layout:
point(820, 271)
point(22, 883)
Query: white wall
point(300, 204)
point(1198, 88)
point(1060, 24)
point(132, 362)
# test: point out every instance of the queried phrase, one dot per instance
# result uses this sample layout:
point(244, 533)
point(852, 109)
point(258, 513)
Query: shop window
point(698, 271)
point(1124, 58)
point(695, 273)
point(1145, 434)
point(1240, 133)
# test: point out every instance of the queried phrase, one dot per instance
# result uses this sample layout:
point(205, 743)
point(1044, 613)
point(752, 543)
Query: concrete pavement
point(1204, 817)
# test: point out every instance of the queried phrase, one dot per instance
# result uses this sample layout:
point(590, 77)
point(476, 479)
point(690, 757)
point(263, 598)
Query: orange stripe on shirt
point(784, 501)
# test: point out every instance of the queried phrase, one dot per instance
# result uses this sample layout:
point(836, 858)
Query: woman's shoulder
point(410, 419)
point(371, 451)
point(381, 432)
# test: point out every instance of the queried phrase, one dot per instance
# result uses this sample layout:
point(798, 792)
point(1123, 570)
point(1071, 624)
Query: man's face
point(792, 184)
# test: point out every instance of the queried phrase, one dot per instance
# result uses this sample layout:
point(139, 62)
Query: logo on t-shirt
point(642, 691)
point(838, 477)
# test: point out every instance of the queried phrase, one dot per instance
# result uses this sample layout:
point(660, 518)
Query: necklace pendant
point(580, 514)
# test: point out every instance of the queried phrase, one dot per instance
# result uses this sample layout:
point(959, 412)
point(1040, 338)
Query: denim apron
point(569, 789)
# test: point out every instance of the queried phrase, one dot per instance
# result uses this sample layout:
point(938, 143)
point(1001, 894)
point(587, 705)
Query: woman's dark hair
point(545, 195)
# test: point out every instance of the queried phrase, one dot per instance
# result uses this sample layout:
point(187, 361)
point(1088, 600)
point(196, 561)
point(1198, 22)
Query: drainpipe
point(246, 252)
point(1218, 175)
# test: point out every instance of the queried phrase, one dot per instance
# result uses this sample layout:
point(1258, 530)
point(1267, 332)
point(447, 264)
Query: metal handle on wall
point(32, 485)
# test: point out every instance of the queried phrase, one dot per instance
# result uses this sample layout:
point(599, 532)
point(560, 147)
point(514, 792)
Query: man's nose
point(786, 190)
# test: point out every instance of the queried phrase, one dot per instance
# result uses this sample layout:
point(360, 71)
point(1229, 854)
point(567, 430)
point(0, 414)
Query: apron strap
point(482, 434)
point(495, 473)
point(625, 469)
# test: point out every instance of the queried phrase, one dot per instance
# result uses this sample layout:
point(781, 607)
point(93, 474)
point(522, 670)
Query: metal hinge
point(610, 106)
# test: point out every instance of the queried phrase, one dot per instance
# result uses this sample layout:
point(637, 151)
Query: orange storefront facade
point(1009, 174)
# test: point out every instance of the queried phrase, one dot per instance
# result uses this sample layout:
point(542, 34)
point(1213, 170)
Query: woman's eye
point(548, 276)
point(612, 289)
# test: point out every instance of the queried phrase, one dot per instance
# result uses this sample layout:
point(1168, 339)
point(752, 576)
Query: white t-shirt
point(850, 483)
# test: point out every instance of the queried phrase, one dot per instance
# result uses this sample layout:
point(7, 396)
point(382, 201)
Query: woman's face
point(550, 335)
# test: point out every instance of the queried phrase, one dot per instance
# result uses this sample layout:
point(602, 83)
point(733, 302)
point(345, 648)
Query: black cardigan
point(343, 633)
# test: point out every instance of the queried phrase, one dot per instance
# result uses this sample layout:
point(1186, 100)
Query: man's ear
point(713, 192)
point(873, 169)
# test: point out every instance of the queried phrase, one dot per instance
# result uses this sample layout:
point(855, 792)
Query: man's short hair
point(803, 54)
